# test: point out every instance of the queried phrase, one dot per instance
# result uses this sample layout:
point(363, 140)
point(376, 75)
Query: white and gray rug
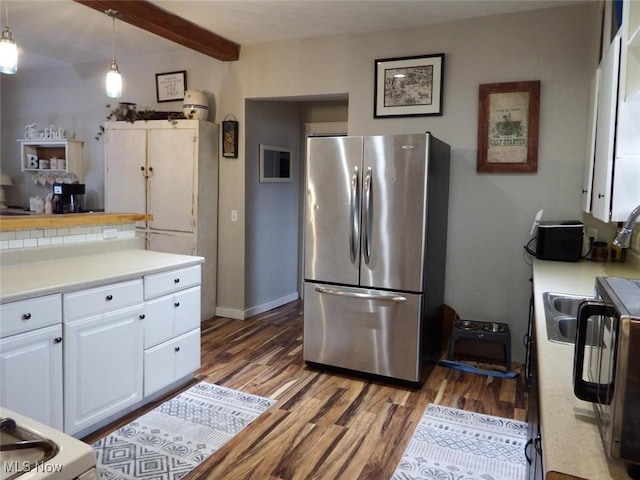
point(174, 438)
point(452, 444)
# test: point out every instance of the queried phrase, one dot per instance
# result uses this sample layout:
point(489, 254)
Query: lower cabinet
point(103, 367)
point(533, 447)
point(103, 352)
point(31, 374)
point(170, 361)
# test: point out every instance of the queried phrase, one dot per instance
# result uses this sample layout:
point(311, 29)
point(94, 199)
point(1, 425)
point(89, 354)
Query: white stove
point(30, 450)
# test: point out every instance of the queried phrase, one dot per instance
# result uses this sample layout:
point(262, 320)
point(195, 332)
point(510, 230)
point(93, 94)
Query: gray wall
point(272, 208)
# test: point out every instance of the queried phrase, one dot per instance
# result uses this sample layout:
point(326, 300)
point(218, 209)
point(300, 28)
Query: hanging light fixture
point(114, 79)
point(8, 48)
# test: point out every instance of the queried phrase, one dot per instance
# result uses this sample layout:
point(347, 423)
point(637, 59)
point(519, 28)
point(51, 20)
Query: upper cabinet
point(631, 58)
point(612, 176)
point(55, 157)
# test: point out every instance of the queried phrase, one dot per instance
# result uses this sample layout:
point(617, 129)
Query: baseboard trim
point(265, 307)
point(230, 313)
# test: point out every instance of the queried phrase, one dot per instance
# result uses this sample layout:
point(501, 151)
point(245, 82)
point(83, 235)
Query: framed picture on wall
point(409, 86)
point(170, 86)
point(275, 164)
point(508, 122)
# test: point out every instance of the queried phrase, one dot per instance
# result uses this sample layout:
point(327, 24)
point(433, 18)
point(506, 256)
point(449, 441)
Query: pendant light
point(114, 79)
point(8, 48)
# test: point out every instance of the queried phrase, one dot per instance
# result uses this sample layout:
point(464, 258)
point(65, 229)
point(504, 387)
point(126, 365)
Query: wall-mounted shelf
point(32, 151)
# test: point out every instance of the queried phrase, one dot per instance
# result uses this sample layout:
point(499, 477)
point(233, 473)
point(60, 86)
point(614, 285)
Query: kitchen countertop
point(21, 222)
point(20, 282)
point(571, 442)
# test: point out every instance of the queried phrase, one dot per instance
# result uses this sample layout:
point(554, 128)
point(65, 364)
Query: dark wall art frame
point(409, 86)
point(170, 86)
point(508, 124)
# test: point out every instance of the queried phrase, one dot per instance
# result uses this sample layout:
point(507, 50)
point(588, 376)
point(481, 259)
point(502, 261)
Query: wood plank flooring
point(324, 425)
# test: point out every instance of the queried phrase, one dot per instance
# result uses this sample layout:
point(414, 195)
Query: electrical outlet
point(234, 215)
point(110, 233)
point(592, 233)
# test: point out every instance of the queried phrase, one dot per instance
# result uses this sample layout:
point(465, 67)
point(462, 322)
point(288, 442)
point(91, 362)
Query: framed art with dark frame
point(170, 86)
point(508, 123)
point(409, 86)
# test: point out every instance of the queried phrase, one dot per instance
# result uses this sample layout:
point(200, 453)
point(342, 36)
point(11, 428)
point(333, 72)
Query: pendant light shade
point(114, 82)
point(8, 49)
point(114, 78)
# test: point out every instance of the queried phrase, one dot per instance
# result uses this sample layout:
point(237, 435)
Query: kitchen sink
point(560, 311)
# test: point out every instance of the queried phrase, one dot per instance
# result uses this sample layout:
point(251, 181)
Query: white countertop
point(570, 438)
point(19, 282)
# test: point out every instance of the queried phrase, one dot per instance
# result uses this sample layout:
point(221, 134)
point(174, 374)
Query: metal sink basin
point(560, 311)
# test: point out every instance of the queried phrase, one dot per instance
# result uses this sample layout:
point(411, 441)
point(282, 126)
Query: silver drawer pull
point(26, 316)
point(362, 296)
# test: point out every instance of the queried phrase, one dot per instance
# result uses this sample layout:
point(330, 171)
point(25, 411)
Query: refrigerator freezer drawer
point(365, 330)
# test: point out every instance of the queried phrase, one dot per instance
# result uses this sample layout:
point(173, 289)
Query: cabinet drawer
point(95, 301)
point(171, 361)
point(26, 315)
point(168, 282)
point(172, 315)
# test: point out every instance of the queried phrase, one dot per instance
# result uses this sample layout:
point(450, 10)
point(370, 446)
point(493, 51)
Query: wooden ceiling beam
point(153, 19)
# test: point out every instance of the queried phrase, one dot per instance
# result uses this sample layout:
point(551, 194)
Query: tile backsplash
point(48, 237)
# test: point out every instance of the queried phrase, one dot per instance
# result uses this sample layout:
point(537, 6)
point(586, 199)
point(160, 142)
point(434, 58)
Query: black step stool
point(482, 332)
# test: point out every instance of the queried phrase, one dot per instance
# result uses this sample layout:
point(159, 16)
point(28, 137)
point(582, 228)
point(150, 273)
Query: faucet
point(623, 238)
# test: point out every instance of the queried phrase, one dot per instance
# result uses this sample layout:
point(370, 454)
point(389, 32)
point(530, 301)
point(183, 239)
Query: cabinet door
point(172, 155)
point(31, 374)
point(125, 171)
point(587, 183)
point(605, 132)
point(169, 242)
point(172, 315)
point(171, 361)
point(103, 367)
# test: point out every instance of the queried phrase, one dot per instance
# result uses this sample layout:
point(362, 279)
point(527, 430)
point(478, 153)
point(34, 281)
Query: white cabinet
point(31, 374)
point(168, 170)
point(612, 175)
point(67, 155)
point(31, 358)
point(171, 327)
point(103, 355)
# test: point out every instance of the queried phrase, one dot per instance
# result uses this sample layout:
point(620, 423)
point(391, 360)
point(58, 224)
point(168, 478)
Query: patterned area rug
point(451, 444)
point(174, 438)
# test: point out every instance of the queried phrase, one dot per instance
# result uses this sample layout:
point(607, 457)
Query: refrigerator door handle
point(368, 220)
point(361, 296)
point(354, 215)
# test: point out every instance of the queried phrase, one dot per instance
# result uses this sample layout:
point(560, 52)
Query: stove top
point(30, 450)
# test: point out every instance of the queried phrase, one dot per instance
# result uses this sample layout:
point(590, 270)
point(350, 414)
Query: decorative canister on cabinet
point(196, 105)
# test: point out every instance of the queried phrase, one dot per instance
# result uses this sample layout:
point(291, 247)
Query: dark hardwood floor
point(324, 425)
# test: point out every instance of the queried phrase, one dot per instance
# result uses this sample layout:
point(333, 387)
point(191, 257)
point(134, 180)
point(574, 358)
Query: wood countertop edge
point(68, 220)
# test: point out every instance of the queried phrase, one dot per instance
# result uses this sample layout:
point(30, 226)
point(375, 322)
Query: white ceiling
point(64, 32)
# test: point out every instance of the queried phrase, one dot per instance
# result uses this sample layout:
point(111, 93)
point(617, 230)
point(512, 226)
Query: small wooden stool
point(482, 332)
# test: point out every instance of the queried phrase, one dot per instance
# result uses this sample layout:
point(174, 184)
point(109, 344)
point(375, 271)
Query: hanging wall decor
point(230, 137)
point(508, 127)
point(171, 86)
point(409, 86)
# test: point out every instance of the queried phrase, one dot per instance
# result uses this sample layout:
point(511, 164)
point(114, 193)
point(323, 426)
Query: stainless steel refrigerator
point(375, 248)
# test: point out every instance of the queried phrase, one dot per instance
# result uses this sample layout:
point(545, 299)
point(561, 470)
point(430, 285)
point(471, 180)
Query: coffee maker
point(67, 197)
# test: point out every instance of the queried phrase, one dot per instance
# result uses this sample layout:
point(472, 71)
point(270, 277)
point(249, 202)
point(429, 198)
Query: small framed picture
point(170, 86)
point(409, 86)
point(275, 164)
point(508, 121)
point(230, 138)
